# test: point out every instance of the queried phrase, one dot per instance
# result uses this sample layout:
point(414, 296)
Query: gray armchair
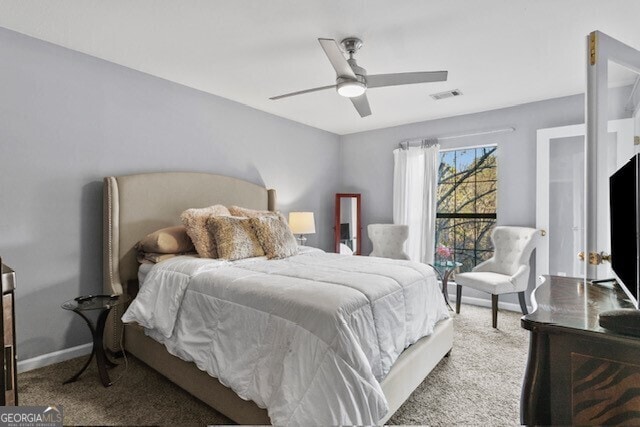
point(506, 272)
point(388, 240)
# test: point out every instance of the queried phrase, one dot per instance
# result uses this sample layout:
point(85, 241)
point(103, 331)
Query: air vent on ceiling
point(447, 94)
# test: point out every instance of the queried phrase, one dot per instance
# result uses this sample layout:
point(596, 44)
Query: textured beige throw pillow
point(234, 237)
point(195, 221)
point(275, 236)
point(253, 213)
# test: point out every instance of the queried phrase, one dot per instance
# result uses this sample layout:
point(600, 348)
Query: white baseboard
point(55, 357)
point(509, 306)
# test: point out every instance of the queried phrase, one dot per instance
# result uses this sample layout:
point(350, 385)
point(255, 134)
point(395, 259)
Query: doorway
point(561, 199)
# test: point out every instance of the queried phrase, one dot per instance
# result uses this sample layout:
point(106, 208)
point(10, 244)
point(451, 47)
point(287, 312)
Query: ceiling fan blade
point(315, 89)
point(362, 105)
point(337, 59)
point(381, 80)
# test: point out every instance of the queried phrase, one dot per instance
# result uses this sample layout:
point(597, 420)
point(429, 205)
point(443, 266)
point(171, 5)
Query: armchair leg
point(494, 310)
point(523, 303)
point(458, 298)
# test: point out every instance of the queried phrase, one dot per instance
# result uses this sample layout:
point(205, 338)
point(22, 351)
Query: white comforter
point(308, 337)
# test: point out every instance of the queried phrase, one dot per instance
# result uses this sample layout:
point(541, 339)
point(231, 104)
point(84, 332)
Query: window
point(466, 209)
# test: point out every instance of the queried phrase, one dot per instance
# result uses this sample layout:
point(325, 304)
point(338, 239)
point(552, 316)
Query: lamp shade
point(302, 223)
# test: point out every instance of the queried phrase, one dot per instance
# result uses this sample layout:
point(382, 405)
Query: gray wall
point(68, 119)
point(367, 159)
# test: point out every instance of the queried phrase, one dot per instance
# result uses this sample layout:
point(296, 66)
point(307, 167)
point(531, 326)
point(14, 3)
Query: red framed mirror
point(348, 224)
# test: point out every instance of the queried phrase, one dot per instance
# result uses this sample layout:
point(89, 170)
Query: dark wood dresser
point(577, 372)
point(9, 377)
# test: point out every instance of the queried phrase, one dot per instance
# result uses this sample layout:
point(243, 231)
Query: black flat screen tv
point(625, 226)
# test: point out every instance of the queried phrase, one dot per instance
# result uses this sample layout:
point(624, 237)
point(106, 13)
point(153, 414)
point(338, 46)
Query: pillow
point(170, 240)
point(345, 250)
point(154, 258)
point(275, 236)
point(195, 221)
point(252, 213)
point(235, 237)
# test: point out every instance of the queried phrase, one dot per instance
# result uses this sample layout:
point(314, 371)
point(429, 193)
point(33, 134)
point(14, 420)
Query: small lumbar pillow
point(275, 236)
point(235, 237)
point(253, 213)
point(170, 240)
point(195, 221)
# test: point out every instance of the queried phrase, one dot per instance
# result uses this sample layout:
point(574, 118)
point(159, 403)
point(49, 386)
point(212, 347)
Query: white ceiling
point(498, 52)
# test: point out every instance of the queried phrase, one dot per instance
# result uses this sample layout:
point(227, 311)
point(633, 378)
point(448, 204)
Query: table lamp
point(302, 223)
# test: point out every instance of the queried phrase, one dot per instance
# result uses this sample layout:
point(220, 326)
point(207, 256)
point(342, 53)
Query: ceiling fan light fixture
point(352, 81)
point(351, 88)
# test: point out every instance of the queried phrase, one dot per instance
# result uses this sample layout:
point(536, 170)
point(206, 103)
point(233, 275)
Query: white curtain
point(415, 186)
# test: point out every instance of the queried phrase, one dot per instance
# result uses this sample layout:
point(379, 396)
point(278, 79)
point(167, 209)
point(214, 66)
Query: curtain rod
point(434, 140)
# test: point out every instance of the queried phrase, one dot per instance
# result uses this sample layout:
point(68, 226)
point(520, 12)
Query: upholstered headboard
point(136, 205)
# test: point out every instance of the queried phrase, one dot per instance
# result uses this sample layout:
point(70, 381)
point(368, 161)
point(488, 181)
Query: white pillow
point(345, 250)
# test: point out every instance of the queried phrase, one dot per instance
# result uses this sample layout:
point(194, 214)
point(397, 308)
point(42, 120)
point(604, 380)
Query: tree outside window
point(466, 209)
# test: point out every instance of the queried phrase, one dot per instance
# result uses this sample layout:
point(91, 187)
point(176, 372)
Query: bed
point(135, 205)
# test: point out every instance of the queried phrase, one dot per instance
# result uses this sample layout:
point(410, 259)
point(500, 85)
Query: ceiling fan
point(352, 80)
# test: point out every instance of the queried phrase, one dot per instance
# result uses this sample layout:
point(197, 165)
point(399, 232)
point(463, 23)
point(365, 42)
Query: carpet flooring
point(479, 384)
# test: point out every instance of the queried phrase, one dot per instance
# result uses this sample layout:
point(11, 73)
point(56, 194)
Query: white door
point(613, 76)
point(560, 199)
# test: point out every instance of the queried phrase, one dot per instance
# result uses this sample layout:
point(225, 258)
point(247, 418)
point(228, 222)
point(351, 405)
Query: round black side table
point(444, 270)
point(104, 304)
